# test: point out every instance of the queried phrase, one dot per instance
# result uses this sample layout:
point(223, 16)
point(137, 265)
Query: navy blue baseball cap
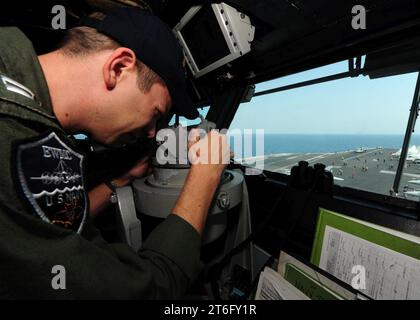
point(155, 45)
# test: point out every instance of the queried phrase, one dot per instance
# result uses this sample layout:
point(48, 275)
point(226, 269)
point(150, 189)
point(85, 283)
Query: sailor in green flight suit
point(112, 79)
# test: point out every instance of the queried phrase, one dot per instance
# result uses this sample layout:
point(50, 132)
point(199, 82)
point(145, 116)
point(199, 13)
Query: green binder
point(395, 241)
point(309, 286)
point(388, 260)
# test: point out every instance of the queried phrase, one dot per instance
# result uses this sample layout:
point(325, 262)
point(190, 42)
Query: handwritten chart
point(389, 274)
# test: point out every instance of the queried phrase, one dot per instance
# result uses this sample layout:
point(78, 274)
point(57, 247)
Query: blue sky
point(347, 106)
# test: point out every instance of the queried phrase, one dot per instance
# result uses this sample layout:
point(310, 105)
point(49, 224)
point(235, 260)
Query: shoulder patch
point(50, 175)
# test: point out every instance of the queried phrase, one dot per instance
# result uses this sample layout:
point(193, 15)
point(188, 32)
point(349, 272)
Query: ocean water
point(315, 143)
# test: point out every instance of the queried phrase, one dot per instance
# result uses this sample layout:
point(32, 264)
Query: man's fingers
point(193, 154)
point(145, 159)
point(193, 137)
point(212, 149)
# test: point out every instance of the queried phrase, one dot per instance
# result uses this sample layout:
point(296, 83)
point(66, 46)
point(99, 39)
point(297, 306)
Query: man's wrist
point(111, 185)
point(204, 176)
point(122, 182)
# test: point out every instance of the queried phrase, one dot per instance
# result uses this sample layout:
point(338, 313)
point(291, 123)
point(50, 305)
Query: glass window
point(202, 111)
point(354, 126)
point(409, 186)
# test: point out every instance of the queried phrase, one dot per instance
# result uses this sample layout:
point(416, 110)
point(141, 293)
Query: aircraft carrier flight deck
point(366, 169)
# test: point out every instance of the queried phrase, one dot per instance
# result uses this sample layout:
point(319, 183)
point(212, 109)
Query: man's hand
point(209, 157)
point(99, 197)
point(213, 150)
point(140, 169)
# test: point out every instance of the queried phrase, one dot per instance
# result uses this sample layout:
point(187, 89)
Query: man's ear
point(121, 59)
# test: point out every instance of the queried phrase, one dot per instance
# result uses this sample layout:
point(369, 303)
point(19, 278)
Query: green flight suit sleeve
point(163, 268)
